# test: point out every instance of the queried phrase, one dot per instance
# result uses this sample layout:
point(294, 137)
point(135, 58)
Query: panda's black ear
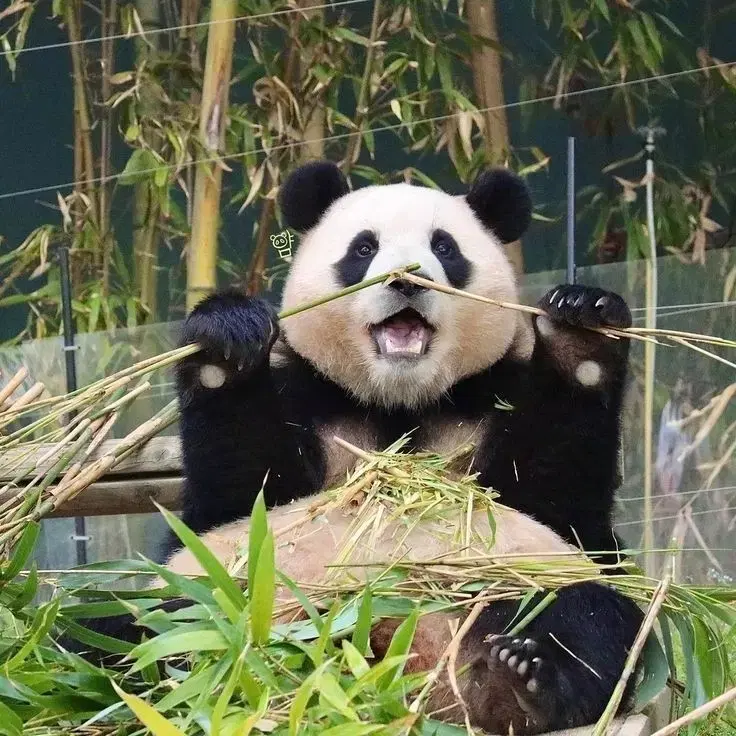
point(308, 191)
point(501, 201)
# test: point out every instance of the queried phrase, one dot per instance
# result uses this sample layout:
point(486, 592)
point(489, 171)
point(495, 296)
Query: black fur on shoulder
point(501, 201)
point(309, 191)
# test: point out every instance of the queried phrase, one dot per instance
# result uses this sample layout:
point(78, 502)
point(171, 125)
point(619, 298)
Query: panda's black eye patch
point(352, 267)
point(457, 267)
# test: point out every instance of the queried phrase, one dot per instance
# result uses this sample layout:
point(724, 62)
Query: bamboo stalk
point(81, 103)
point(485, 62)
point(202, 252)
point(314, 125)
point(7, 391)
point(107, 64)
point(695, 715)
point(361, 107)
point(604, 723)
point(145, 203)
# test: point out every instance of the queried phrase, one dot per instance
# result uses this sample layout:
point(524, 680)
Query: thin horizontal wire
point(678, 494)
point(382, 129)
point(687, 306)
point(153, 31)
point(675, 516)
point(692, 310)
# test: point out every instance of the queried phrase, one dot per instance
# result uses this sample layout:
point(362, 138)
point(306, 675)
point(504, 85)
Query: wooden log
point(159, 456)
point(131, 496)
point(153, 471)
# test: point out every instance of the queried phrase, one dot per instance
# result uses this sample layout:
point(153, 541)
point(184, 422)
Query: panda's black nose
point(408, 288)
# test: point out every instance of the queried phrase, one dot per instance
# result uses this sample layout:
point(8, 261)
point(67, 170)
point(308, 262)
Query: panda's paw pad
point(235, 332)
point(585, 306)
point(524, 659)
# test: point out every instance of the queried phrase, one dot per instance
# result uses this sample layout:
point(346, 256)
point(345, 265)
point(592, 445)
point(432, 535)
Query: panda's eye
point(443, 247)
point(365, 248)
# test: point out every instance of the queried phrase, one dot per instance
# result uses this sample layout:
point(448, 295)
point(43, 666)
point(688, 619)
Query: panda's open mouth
point(403, 335)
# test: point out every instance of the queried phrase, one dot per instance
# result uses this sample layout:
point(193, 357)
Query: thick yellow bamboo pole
point(202, 252)
point(488, 83)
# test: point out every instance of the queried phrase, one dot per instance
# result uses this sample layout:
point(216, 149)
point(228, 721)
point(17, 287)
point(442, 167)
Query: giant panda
point(539, 399)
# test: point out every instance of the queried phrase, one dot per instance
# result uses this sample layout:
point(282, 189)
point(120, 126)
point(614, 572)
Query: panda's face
point(400, 344)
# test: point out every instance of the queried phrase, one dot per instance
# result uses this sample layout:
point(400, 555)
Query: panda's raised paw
point(236, 333)
point(585, 306)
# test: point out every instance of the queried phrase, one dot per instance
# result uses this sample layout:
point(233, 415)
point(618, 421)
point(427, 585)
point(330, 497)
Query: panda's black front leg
point(565, 442)
point(561, 670)
point(234, 430)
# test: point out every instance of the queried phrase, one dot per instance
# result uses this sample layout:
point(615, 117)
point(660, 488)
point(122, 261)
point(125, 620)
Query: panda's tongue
point(402, 335)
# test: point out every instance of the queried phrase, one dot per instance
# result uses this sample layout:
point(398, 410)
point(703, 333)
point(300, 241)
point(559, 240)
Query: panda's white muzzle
point(405, 334)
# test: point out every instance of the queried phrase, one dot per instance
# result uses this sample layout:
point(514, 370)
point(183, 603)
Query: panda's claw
point(585, 306)
point(523, 659)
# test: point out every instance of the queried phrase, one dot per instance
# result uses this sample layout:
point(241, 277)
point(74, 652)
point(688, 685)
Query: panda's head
point(401, 344)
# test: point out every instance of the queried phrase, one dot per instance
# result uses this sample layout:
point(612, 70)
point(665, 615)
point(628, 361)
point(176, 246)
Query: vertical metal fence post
point(70, 361)
point(571, 275)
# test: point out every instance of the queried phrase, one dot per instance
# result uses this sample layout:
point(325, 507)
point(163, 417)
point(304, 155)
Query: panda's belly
point(306, 544)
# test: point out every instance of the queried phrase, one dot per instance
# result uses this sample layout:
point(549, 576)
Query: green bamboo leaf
point(602, 6)
point(642, 47)
point(317, 652)
point(355, 729)
point(10, 722)
point(263, 592)
point(226, 605)
point(141, 164)
point(148, 716)
point(362, 632)
point(42, 623)
point(258, 666)
point(301, 699)
point(27, 591)
point(218, 712)
point(98, 641)
point(253, 719)
point(303, 600)
point(334, 695)
point(257, 530)
point(382, 669)
point(22, 551)
point(178, 641)
point(445, 72)
point(103, 609)
point(653, 34)
point(210, 564)
point(250, 687)
point(192, 687)
point(346, 34)
point(670, 25)
point(400, 646)
point(655, 671)
point(695, 690)
point(354, 659)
